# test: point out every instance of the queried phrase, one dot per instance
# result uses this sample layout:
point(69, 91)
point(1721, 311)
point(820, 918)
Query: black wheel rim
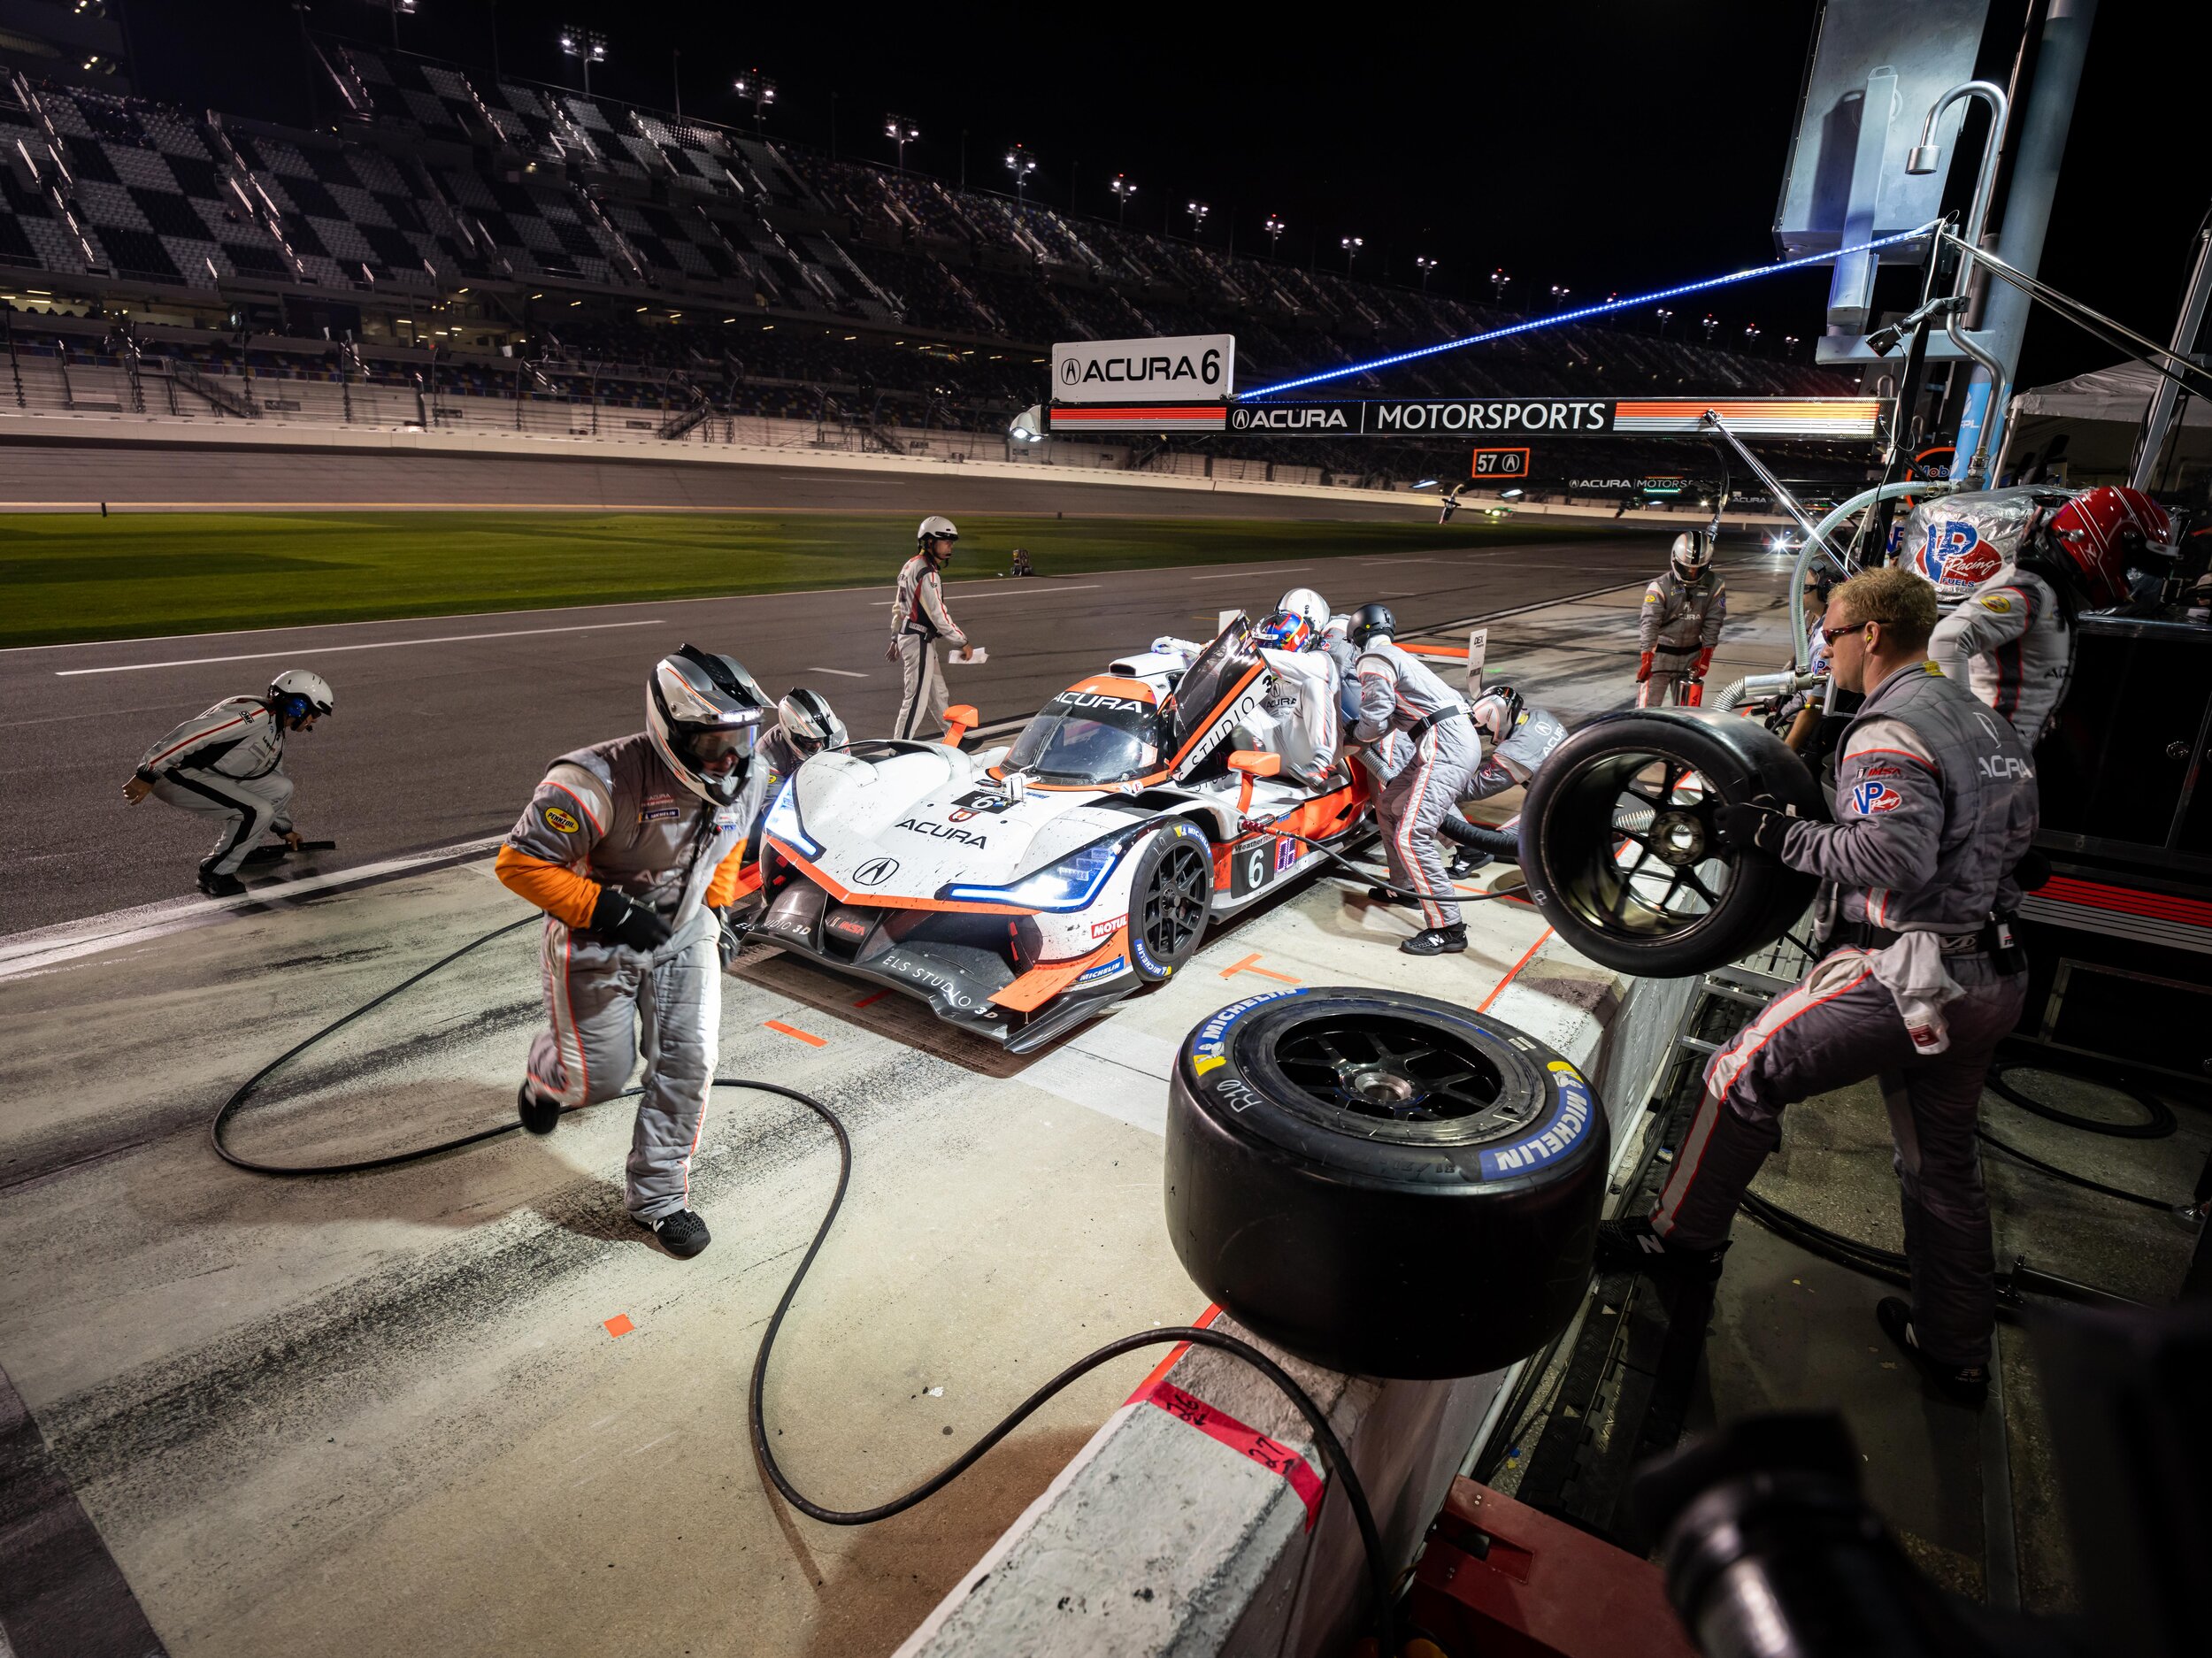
point(1175, 903)
point(1389, 1068)
point(1637, 857)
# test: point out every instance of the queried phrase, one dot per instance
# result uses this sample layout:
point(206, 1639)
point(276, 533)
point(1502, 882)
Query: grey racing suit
point(1512, 762)
point(1397, 692)
point(617, 816)
point(1935, 805)
point(1679, 622)
point(919, 619)
point(227, 764)
point(2009, 641)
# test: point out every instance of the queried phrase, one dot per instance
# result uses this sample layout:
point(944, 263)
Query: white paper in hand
point(970, 657)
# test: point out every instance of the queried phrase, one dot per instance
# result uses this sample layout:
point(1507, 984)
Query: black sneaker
point(1437, 940)
point(1466, 863)
point(1965, 1384)
point(538, 1113)
point(682, 1234)
point(275, 853)
point(1633, 1245)
point(220, 885)
point(1385, 895)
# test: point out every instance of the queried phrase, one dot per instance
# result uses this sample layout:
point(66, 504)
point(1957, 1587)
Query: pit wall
point(1162, 1535)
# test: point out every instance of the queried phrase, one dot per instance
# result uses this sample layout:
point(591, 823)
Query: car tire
point(1171, 899)
point(1650, 889)
point(1424, 1204)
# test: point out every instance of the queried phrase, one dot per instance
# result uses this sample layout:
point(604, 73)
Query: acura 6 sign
point(1189, 368)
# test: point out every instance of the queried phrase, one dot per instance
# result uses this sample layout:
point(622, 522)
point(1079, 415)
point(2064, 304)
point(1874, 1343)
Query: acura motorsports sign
point(1188, 368)
point(1152, 404)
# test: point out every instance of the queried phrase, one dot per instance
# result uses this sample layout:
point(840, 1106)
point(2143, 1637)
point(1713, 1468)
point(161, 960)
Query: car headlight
point(1071, 883)
point(783, 821)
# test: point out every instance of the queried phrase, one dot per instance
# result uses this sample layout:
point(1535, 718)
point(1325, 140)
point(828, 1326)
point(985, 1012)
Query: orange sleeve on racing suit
point(554, 887)
point(733, 877)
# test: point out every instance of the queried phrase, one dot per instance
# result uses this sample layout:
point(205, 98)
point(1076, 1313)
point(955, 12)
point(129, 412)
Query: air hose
point(1324, 1437)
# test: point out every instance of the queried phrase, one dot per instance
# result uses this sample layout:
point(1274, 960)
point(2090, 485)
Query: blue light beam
point(1587, 311)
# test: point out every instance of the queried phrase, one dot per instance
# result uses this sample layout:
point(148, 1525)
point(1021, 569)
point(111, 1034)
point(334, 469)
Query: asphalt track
point(445, 723)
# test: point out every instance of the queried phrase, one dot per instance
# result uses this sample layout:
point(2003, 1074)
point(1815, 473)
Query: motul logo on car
point(944, 832)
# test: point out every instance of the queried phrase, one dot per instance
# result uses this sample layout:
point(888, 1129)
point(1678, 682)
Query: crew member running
point(918, 620)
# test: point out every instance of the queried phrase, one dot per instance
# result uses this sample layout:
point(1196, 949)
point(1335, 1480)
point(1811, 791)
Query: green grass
point(65, 577)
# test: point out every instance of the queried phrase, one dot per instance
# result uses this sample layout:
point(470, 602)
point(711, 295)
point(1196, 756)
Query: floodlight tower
point(1424, 265)
point(398, 8)
point(1274, 227)
point(1499, 283)
point(1351, 246)
point(757, 89)
point(901, 131)
point(1197, 212)
point(1559, 295)
point(1021, 163)
point(1665, 316)
point(1123, 190)
point(586, 47)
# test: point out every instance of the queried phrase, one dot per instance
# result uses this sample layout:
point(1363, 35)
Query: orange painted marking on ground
point(1527, 955)
point(878, 996)
point(808, 1037)
point(620, 1325)
point(1245, 966)
point(1204, 1321)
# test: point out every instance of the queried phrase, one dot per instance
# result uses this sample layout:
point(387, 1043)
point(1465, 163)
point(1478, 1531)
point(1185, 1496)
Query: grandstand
point(467, 251)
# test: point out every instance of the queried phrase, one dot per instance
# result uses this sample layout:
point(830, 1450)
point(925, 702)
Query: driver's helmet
point(2097, 535)
point(1306, 603)
point(1286, 630)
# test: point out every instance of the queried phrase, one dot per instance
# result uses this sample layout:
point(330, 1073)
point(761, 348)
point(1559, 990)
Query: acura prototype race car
point(1023, 890)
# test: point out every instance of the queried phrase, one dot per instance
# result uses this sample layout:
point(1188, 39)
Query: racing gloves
point(1751, 826)
point(619, 917)
point(1704, 661)
point(1643, 669)
point(727, 941)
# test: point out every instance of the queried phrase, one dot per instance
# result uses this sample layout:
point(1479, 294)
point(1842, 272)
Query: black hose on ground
point(1408, 893)
point(2158, 1117)
point(1324, 1437)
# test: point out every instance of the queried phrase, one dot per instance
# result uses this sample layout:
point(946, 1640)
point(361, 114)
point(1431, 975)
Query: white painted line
point(842, 673)
point(1239, 575)
point(327, 650)
point(1039, 587)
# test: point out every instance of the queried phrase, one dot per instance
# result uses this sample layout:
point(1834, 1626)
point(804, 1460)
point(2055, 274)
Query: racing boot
point(275, 853)
point(1386, 895)
point(1437, 940)
point(538, 1113)
point(682, 1234)
point(1965, 1384)
point(1466, 863)
point(1633, 1245)
point(217, 885)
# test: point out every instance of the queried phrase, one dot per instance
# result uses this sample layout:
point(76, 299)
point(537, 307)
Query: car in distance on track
point(1023, 890)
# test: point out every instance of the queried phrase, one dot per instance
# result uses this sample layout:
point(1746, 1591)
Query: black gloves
point(727, 941)
point(1749, 826)
point(619, 917)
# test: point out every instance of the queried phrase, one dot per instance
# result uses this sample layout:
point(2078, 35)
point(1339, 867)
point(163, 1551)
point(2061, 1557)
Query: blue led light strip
point(1587, 311)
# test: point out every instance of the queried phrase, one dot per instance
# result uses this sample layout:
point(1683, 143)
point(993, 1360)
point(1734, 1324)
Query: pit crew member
point(1919, 979)
point(1397, 692)
point(805, 725)
point(918, 620)
point(1520, 736)
point(1680, 628)
point(228, 764)
point(631, 847)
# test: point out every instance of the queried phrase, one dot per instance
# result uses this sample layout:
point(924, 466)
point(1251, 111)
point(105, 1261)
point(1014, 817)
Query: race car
point(1023, 890)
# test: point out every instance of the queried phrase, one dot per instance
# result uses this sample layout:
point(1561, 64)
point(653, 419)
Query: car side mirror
point(960, 719)
point(1253, 763)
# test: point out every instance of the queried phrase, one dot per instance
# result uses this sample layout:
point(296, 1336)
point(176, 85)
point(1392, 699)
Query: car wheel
point(1383, 1184)
point(1171, 899)
point(1619, 849)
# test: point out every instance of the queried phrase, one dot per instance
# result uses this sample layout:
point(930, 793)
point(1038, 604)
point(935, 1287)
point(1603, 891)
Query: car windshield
point(1087, 737)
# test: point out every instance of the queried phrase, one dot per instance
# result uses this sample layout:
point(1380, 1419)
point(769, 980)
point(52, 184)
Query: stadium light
point(1197, 212)
point(1351, 246)
point(1665, 316)
point(399, 9)
point(586, 47)
point(1710, 324)
point(1123, 190)
point(758, 90)
point(901, 131)
point(1021, 163)
point(1498, 282)
point(1274, 227)
point(1559, 295)
point(1424, 265)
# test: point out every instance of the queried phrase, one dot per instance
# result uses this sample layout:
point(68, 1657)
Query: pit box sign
point(1185, 369)
point(1501, 462)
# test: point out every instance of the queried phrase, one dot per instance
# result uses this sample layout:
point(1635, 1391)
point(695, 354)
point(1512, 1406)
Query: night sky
point(1605, 146)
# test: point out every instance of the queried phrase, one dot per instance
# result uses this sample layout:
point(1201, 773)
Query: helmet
point(298, 693)
point(808, 722)
point(1371, 622)
point(1497, 710)
point(1691, 551)
point(700, 707)
point(936, 529)
point(1307, 604)
point(1286, 630)
point(2095, 536)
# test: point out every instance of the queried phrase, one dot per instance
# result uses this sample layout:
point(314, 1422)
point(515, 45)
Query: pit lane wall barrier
point(1182, 1526)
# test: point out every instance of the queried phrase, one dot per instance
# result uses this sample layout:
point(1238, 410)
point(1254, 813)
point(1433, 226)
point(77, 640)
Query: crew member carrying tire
point(918, 620)
point(632, 848)
point(228, 764)
point(1918, 981)
point(1680, 628)
point(1398, 694)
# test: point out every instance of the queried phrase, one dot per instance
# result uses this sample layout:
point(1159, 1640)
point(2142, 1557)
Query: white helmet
point(936, 529)
point(1306, 603)
point(298, 693)
point(1497, 710)
point(700, 707)
point(807, 721)
point(1692, 551)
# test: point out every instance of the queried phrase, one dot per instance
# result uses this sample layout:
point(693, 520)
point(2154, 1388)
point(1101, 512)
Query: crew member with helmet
point(634, 849)
point(1397, 692)
point(918, 620)
point(1918, 982)
point(805, 725)
point(1519, 737)
point(2010, 637)
point(1679, 629)
point(228, 764)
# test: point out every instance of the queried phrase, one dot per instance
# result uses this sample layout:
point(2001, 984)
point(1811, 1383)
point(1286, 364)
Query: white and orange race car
point(1023, 890)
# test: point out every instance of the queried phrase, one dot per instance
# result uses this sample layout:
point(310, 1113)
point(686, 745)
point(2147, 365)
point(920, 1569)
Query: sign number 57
point(1501, 462)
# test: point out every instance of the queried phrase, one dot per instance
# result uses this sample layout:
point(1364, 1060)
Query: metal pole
point(2161, 414)
point(2045, 119)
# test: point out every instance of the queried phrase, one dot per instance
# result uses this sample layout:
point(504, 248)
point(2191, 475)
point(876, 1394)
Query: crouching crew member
point(1398, 694)
point(1680, 627)
point(1521, 736)
point(228, 764)
point(631, 847)
point(805, 725)
point(1935, 807)
point(918, 620)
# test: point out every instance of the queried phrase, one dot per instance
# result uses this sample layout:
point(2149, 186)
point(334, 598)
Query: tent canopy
point(2122, 393)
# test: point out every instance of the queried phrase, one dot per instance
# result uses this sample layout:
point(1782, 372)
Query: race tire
point(1423, 1205)
point(1171, 899)
point(1619, 851)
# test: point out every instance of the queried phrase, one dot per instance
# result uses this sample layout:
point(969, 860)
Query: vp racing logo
point(1954, 555)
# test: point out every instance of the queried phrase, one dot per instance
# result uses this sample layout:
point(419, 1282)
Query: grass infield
point(65, 577)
